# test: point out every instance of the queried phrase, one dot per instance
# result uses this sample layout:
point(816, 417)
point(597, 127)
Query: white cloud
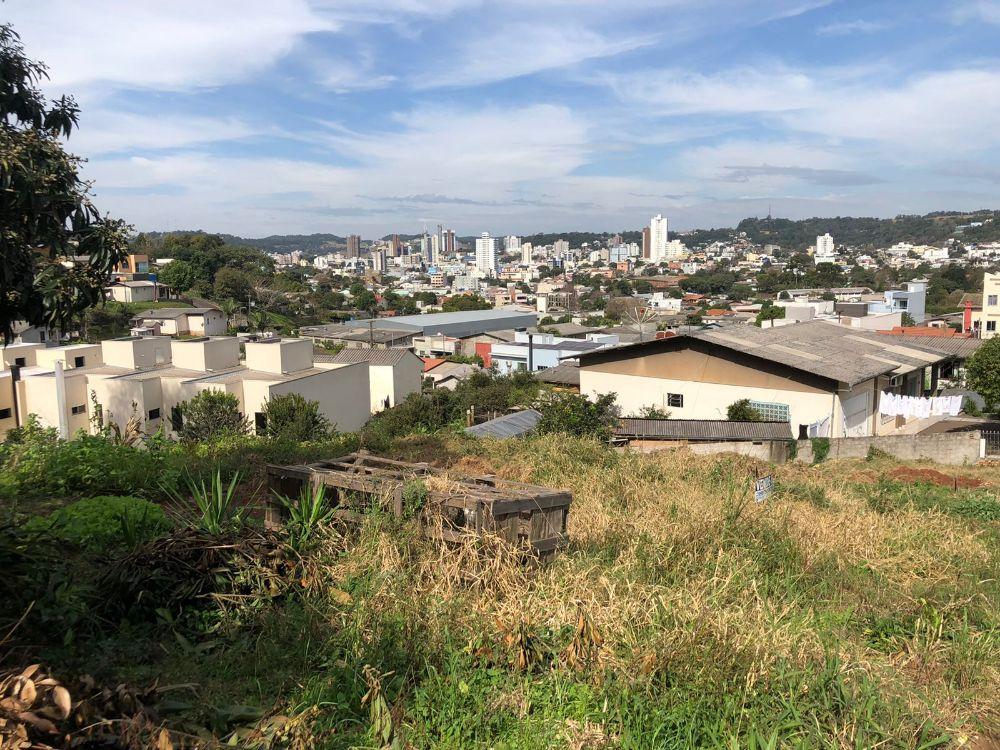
point(187, 43)
point(521, 49)
point(106, 131)
point(847, 28)
point(977, 10)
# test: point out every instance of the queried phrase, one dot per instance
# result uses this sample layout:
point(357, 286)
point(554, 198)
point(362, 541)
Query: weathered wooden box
point(524, 514)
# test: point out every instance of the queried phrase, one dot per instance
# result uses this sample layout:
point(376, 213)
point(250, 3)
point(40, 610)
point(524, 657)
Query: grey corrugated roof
point(377, 357)
point(565, 373)
point(829, 350)
point(958, 346)
point(509, 425)
point(169, 313)
point(702, 429)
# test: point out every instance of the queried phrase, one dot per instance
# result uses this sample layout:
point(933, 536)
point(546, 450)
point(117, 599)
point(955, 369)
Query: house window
point(81, 409)
point(260, 422)
point(991, 300)
point(79, 361)
point(20, 361)
point(4, 413)
point(991, 325)
point(772, 412)
point(176, 418)
point(675, 400)
point(154, 414)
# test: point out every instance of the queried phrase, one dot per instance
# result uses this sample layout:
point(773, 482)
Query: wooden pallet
point(524, 514)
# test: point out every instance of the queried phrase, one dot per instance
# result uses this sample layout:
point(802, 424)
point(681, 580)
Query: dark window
point(20, 361)
point(154, 413)
point(260, 422)
point(4, 413)
point(41, 336)
point(675, 400)
point(176, 418)
point(991, 325)
point(79, 361)
point(79, 409)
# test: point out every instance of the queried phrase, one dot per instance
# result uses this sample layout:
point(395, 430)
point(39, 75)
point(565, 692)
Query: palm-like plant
point(306, 513)
point(229, 308)
point(258, 319)
point(215, 501)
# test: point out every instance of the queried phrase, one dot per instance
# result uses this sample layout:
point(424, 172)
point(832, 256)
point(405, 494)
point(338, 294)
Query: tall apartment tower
point(486, 254)
point(512, 243)
point(645, 243)
point(353, 246)
point(826, 251)
point(435, 257)
point(560, 248)
point(658, 237)
point(526, 249)
point(379, 261)
point(395, 246)
point(448, 248)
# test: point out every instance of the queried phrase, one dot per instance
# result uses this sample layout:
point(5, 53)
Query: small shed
point(526, 515)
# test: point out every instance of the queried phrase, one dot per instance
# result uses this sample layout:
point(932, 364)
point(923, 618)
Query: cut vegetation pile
point(842, 612)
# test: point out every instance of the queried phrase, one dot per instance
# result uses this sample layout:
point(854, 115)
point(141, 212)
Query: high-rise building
point(645, 243)
point(435, 256)
point(379, 260)
point(448, 248)
point(486, 254)
point(511, 243)
point(825, 249)
point(658, 237)
point(395, 246)
point(526, 253)
point(353, 246)
point(560, 248)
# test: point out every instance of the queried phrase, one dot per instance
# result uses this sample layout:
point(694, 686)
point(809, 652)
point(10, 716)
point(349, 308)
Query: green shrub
point(578, 415)
point(211, 415)
point(741, 411)
point(293, 417)
point(103, 523)
point(821, 449)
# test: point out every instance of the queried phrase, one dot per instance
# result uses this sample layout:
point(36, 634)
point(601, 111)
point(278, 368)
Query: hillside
point(277, 243)
point(852, 609)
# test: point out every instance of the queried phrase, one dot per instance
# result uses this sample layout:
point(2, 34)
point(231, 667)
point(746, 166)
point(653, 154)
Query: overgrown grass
point(844, 611)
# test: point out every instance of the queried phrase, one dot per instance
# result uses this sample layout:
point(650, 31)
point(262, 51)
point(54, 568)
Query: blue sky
point(271, 117)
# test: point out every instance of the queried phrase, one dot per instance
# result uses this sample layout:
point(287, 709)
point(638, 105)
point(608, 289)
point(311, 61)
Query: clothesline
point(896, 405)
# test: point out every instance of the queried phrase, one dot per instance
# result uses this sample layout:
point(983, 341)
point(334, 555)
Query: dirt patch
point(912, 475)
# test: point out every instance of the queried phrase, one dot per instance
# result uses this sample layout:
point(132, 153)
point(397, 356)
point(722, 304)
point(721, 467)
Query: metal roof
point(510, 425)
point(463, 323)
point(169, 313)
point(565, 373)
point(702, 429)
point(959, 346)
point(376, 357)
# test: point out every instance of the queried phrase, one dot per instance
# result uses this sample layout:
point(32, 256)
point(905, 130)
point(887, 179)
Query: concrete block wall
point(952, 448)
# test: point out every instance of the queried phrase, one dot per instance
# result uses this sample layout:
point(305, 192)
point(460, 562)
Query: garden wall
point(953, 448)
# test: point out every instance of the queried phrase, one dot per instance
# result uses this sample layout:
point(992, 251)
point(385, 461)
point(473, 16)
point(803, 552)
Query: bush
point(982, 373)
point(741, 411)
point(99, 524)
point(821, 449)
point(36, 463)
point(577, 415)
point(211, 415)
point(293, 417)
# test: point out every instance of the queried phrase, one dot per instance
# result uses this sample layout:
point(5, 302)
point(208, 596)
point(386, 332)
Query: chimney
point(967, 317)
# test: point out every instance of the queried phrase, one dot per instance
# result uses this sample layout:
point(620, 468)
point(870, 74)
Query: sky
point(258, 117)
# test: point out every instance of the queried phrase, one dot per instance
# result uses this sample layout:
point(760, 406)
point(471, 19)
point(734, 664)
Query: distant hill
point(870, 232)
point(277, 243)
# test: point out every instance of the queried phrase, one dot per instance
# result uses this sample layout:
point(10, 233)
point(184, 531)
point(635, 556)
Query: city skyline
point(386, 116)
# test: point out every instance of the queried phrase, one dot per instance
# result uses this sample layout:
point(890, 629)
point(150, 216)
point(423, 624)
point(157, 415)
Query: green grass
point(835, 615)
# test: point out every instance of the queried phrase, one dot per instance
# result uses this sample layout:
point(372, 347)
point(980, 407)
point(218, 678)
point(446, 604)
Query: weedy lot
point(855, 608)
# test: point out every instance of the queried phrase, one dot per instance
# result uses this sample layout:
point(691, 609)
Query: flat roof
point(463, 323)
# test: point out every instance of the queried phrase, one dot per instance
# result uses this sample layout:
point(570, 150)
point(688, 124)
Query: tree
point(45, 208)
point(211, 415)
point(741, 411)
point(229, 308)
point(574, 414)
point(982, 373)
point(179, 275)
point(907, 320)
point(464, 302)
point(293, 417)
point(232, 283)
point(769, 311)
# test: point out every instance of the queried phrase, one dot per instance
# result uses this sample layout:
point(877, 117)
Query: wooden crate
point(523, 514)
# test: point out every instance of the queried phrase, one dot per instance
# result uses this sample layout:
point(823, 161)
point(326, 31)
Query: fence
point(955, 448)
point(991, 441)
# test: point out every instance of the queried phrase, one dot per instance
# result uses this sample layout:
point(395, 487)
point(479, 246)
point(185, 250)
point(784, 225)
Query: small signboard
point(762, 488)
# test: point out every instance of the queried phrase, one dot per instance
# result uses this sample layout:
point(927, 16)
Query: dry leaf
point(61, 697)
point(28, 692)
point(38, 722)
point(163, 741)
